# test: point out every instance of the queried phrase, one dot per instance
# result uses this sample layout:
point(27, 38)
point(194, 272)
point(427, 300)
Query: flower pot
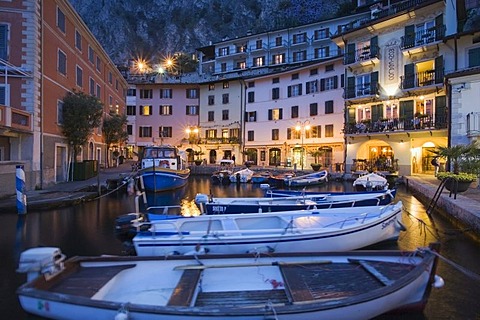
point(198, 162)
point(461, 187)
point(316, 166)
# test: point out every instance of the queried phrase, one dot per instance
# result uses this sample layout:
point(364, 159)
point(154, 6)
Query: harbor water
point(88, 229)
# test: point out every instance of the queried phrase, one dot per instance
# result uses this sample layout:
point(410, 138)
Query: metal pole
point(20, 188)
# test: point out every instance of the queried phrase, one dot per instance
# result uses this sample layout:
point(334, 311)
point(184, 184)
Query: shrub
point(460, 177)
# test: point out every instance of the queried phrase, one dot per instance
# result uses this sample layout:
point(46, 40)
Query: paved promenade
point(464, 210)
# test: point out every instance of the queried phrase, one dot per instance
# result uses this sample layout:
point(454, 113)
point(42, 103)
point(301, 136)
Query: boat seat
point(184, 292)
point(295, 287)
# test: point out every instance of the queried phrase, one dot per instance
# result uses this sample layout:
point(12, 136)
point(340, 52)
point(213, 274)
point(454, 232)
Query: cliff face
point(154, 28)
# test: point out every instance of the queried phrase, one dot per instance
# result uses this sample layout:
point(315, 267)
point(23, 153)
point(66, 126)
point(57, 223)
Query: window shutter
point(322, 84)
point(289, 91)
point(439, 29)
point(409, 74)
point(3, 42)
point(374, 82)
point(441, 112)
point(150, 108)
point(374, 47)
point(270, 114)
point(409, 37)
point(335, 82)
point(280, 114)
point(350, 54)
point(350, 89)
point(3, 97)
point(141, 110)
point(300, 89)
point(439, 69)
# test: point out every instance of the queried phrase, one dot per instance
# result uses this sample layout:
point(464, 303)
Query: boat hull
point(341, 279)
point(164, 179)
point(315, 231)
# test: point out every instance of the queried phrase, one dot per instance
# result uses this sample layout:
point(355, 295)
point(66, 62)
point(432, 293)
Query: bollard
point(20, 186)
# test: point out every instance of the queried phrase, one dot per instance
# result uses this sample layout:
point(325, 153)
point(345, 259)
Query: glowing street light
point(192, 133)
point(302, 128)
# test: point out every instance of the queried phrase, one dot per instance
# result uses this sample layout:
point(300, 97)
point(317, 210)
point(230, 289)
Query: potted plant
point(250, 155)
point(462, 180)
point(316, 154)
point(198, 153)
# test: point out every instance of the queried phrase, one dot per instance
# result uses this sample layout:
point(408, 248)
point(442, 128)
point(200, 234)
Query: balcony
point(422, 40)
point(415, 123)
point(422, 81)
point(362, 57)
point(14, 120)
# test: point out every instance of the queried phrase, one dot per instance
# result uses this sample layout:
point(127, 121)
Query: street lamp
point(192, 134)
point(302, 128)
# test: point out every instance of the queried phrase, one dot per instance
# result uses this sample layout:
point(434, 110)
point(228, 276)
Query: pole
point(302, 133)
point(20, 188)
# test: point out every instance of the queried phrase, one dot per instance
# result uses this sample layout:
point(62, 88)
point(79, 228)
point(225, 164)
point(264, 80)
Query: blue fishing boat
point(163, 168)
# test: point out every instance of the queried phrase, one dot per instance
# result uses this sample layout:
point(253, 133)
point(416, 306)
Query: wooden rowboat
point(341, 286)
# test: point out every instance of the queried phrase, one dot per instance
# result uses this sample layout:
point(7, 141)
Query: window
point(60, 112)
point(329, 67)
point(294, 112)
point(328, 130)
point(99, 64)
point(110, 77)
point(91, 57)
point(258, 44)
point(3, 41)
point(224, 114)
point(251, 116)
point(145, 132)
point(223, 51)
point(322, 52)
point(78, 40)
point(192, 93)
point(166, 94)
point(278, 58)
point(241, 64)
point(146, 110)
point(79, 76)
point(4, 96)
point(211, 116)
point(223, 67)
point(224, 134)
point(316, 131)
point(99, 91)
point(295, 90)
point(225, 98)
point(211, 100)
point(92, 87)
point(328, 106)
point(275, 93)
point(363, 85)
point(322, 34)
point(166, 110)
point(299, 38)
point(294, 76)
point(165, 132)
point(275, 80)
point(251, 96)
point(61, 20)
point(62, 62)
point(129, 129)
point(251, 84)
point(131, 92)
point(211, 86)
point(146, 93)
point(259, 61)
point(131, 110)
point(278, 41)
point(313, 109)
point(192, 110)
point(250, 135)
point(300, 56)
point(226, 85)
point(313, 72)
point(474, 57)
point(275, 134)
point(275, 114)
point(329, 83)
point(311, 86)
point(211, 133)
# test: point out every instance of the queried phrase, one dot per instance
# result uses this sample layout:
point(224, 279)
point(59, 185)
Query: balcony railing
point(422, 79)
point(423, 122)
point(14, 118)
point(362, 55)
point(422, 37)
point(361, 91)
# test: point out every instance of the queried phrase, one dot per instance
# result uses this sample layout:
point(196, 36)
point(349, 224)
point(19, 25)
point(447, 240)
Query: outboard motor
point(43, 260)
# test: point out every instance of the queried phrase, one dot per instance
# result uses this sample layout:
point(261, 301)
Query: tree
point(114, 130)
point(82, 113)
point(453, 155)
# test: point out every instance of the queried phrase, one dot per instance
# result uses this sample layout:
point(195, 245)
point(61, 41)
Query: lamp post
point(192, 134)
point(302, 127)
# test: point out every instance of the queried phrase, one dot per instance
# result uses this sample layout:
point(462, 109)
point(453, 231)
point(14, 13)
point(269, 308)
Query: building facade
point(47, 51)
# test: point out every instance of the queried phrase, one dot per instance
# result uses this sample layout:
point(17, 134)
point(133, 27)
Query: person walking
point(233, 159)
point(436, 164)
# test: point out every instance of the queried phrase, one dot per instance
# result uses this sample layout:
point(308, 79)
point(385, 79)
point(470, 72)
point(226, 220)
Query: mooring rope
point(460, 268)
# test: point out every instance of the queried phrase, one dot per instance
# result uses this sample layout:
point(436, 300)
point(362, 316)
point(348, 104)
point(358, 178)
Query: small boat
point(279, 179)
point(353, 285)
point(223, 205)
point(221, 176)
point(272, 192)
point(261, 177)
point(163, 168)
point(241, 176)
point(370, 181)
point(312, 230)
point(311, 179)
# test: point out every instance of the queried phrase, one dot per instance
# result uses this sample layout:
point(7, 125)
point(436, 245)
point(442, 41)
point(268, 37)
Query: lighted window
point(146, 110)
